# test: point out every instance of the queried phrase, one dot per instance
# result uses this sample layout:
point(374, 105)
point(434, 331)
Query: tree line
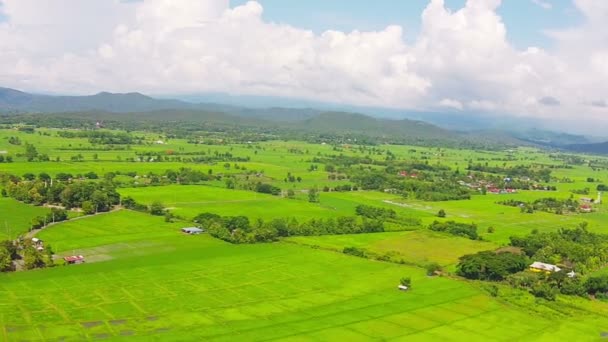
point(239, 229)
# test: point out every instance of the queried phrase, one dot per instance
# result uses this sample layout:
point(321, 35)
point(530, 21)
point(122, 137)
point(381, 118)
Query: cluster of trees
point(549, 205)
point(489, 265)
point(424, 187)
point(25, 250)
point(56, 215)
point(582, 250)
point(518, 171)
point(571, 249)
point(456, 228)
point(91, 196)
point(265, 188)
point(14, 141)
point(341, 188)
point(239, 229)
point(6, 159)
point(375, 212)
point(103, 137)
point(436, 191)
point(602, 187)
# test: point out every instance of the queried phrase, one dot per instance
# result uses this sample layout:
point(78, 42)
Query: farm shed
point(538, 266)
point(74, 259)
point(192, 230)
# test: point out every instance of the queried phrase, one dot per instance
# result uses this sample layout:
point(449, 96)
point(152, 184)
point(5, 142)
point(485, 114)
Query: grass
point(414, 247)
point(124, 226)
point(16, 217)
point(204, 289)
point(191, 200)
point(144, 280)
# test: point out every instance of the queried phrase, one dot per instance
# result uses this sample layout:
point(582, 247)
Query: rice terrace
point(259, 170)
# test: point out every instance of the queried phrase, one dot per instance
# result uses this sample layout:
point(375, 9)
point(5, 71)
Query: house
point(587, 200)
point(38, 244)
point(586, 208)
point(192, 230)
point(402, 287)
point(74, 259)
point(538, 266)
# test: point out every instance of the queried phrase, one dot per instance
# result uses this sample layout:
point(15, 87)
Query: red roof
point(73, 258)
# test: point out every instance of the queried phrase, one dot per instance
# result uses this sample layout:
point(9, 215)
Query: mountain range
point(324, 118)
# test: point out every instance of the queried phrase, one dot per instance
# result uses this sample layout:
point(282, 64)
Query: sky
point(543, 59)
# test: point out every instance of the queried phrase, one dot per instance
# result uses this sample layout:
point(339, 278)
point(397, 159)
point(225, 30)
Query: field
point(413, 247)
point(16, 218)
point(201, 288)
point(145, 280)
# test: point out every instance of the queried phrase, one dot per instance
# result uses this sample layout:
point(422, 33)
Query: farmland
point(294, 273)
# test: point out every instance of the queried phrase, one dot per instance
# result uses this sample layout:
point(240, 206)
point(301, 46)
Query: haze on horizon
point(456, 56)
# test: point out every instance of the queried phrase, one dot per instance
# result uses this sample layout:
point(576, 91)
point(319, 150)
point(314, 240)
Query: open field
point(413, 247)
point(205, 289)
point(145, 280)
point(16, 218)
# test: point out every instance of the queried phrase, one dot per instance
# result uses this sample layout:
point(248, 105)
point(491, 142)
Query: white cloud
point(461, 59)
point(449, 103)
point(543, 3)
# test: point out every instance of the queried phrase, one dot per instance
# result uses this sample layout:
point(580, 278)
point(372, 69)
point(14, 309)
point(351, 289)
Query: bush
point(543, 290)
point(433, 268)
point(441, 213)
point(406, 281)
point(354, 251)
point(456, 228)
point(488, 265)
point(157, 208)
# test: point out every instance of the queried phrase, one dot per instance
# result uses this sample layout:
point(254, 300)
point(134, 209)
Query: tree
point(291, 193)
point(30, 152)
point(32, 258)
point(88, 207)
point(433, 268)
point(406, 281)
point(157, 208)
point(441, 213)
point(313, 195)
point(6, 262)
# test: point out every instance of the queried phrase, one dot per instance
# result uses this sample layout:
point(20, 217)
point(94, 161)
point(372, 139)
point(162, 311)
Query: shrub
point(433, 268)
point(441, 213)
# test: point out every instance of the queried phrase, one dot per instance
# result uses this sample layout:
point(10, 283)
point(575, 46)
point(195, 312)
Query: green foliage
point(441, 213)
point(354, 251)
point(543, 290)
point(375, 212)
point(577, 246)
point(238, 229)
point(433, 268)
point(456, 228)
point(157, 208)
point(406, 281)
point(267, 189)
point(489, 265)
point(313, 195)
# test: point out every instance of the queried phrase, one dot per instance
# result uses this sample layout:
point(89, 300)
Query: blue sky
point(524, 19)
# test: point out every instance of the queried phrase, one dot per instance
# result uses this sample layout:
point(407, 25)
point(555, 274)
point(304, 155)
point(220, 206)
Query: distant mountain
point(549, 138)
point(318, 117)
point(595, 148)
point(17, 101)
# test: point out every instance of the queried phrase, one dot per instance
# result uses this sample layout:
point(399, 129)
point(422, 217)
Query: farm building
point(586, 208)
point(538, 266)
point(38, 244)
point(74, 259)
point(402, 287)
point(586, 200)
point(192, 230)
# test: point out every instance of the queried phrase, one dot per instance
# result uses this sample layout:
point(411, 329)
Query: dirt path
point(32, 233)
